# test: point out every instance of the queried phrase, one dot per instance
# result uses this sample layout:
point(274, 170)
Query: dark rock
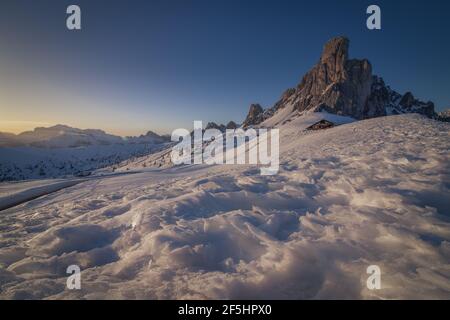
point(255, 115)
point(343, 86)
point(213, 125)
point(231, 125)
point(407, 100)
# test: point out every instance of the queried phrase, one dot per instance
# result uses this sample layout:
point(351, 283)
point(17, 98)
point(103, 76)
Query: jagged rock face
point(336, 84)
point(213, 125)
point(255, 115)
point(409, 104)
point(343, 86)
point(231, 125)
point(379, 99)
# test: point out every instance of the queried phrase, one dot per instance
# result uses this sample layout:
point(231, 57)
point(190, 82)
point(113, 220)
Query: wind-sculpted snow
point(374, 192)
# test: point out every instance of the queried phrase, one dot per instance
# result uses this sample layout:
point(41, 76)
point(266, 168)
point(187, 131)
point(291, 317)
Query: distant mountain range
point(342, 86)
point(61, 136)
point(63, 151)
point(336, 85)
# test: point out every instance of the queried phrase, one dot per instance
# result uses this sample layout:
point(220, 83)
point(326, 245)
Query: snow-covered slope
point(162, 159)
point(60, 151)
point(23, 163)
point(373, 192)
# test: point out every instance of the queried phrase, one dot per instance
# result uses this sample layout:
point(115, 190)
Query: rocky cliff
point(342, 86)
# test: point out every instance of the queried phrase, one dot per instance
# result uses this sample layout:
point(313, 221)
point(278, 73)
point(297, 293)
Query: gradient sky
point(159, 65)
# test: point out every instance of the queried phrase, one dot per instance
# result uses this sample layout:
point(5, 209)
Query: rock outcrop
point(255, 115)
point(343, 86)
point(221, 127)
point(213, 125)
point(231, 125)
point(149, 137)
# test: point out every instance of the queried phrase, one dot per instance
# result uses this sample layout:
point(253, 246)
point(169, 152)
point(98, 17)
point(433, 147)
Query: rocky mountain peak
point(213, 125)
point(343, 86)
point(334, 58)
point(407, 100)
point(221, 127)
point(336, 84)
point(231, 125)
point(254, 115)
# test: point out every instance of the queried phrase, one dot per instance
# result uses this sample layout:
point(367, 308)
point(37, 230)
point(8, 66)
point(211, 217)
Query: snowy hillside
point(23, 163)
point(60, 151)
point(362, 193)
point(162, 158)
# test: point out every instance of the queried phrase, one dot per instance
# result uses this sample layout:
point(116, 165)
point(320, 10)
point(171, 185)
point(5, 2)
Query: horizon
point(161, 65)
point(49, 125)
point(223, 151)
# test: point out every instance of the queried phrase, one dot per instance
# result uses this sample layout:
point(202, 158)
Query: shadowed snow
point(364, 193)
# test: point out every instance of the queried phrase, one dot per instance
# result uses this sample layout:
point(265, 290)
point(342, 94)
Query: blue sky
point(158, 65)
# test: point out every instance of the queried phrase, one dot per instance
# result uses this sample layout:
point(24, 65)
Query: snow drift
point(362, 193)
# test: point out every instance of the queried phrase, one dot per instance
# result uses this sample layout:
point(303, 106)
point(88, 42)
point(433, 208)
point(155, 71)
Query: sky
point(159, 65)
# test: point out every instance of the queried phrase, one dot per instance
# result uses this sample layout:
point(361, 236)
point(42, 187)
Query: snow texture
point(372, 192)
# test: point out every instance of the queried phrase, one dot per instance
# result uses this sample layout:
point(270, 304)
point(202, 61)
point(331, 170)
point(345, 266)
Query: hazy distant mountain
point(149, 137)
point(342, 86)
point(370, 191)
point(221, 127)
point(8, 139)
point(55, 151)
point(62, 136)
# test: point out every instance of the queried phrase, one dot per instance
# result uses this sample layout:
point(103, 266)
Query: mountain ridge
point(342, 86)
point(63, 136)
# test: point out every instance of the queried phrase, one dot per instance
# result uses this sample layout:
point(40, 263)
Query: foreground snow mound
point(373, 192)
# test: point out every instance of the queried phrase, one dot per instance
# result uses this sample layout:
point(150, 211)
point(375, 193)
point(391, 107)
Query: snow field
point(369, 192)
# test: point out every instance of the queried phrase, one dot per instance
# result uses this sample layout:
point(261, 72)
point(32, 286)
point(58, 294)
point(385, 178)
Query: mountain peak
point(342, 86)
point(255, 115)
point(335, 51)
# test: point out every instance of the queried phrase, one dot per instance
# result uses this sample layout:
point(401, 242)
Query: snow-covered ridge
point(61, 136)
point(362, 193)
point(23, 163)
point(299, 123)
point(62, 151)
